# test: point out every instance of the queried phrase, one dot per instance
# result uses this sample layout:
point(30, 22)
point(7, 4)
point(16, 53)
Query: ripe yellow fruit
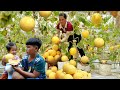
point(78, 75)
point(55, 40)
point(49, 51)
point(68, 76)
point(46, 54)
point(96, 19)
point(85, 33)
point(99, 42)
point(9, 56)
point(58, 74)
point(90, 49)
point(85, 74)
point(48, 72)
point(55, 47)
point(103, 61)
point(73, 62)
point(27, 23)
point(84, 59)
point(64, 58)
point(54, 69)
point(45, 14)
point(52, 75)
point(51, 59)
point(61, 75)
point(53, 53)
point(65, 66)
point(73, 51)
point(13, 61)
point(58, 52)
point(57, 57)
point(70, 69)
point(89, 76)
point(78, 71)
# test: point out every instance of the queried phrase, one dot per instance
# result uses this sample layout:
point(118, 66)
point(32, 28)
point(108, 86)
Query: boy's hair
point(34, 41)
point(9, 45)
point(63, 14)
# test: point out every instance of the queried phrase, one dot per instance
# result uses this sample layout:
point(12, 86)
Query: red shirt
point(68, 27)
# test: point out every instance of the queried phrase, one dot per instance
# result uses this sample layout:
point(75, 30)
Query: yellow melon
point(61, 75)
point(70, 69)
point(103, 61)
point(57, 57)
point(64, 58)
point(85, 33)
point(45, 13)
point(99, 42)
point(58, 74)
point(53, 53)
point(85, 75)
point(58, 52)
point(78, 75)
point(52, 75)
point(96, 19)
point(65, 66)
point(51, 59)
point(48, 72)
point(84, 59)
point(89, 76)
point(9, 56)
point(78, 71)
point(73, 62)
point(27, 23)
point(68, 76)
point(49, 51)
point(54, 69)
point(55, 40)
point(73, 51)
point(55, 47)
point(46, 54)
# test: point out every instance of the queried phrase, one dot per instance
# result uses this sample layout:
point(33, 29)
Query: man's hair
point(63, 14)
point(34, 41)
point(9, 45)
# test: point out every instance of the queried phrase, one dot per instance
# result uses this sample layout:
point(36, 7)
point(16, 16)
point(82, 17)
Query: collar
point(60, 26)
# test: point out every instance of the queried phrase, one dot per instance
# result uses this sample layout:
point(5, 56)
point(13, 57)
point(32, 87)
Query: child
point(12, 49)
point(33, 65)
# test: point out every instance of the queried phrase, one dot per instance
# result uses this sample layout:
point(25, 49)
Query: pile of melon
point(69, 71)
point(53, 54)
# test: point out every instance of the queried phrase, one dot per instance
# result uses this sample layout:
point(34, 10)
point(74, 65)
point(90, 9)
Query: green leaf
point(106, 19)
point(2, 39)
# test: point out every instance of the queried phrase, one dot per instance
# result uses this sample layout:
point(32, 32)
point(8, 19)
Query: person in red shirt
point(66, 33)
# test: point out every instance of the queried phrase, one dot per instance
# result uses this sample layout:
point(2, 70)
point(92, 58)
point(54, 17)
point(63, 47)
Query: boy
point(33, 65)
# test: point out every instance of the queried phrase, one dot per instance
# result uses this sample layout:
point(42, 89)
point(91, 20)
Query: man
point(66, 33)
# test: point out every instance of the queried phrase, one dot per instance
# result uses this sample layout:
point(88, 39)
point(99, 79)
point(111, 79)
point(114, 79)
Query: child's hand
point(3, 61)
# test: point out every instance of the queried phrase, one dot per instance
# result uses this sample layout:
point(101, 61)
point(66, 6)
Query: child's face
point(13, 50)
point(31, 49)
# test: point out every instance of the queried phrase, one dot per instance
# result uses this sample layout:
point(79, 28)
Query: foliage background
point(45, 30)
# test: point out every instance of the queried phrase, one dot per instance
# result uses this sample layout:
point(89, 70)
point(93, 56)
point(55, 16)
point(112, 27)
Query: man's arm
point(27, 74)
point(38, 68)
point(68, 33)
